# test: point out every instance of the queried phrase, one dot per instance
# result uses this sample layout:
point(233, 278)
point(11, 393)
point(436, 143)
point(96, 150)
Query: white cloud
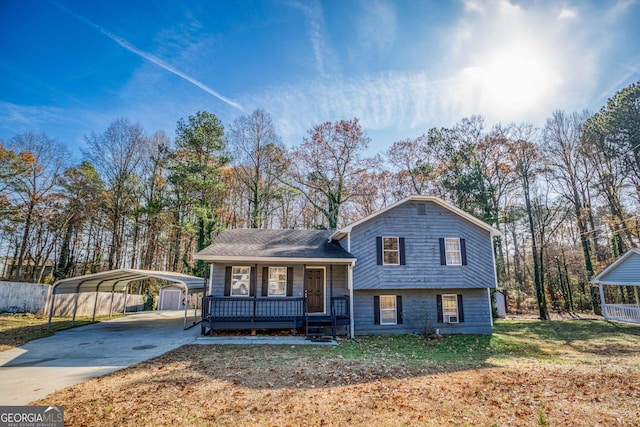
point(149, 57)
point(568, 14)
point(377, 25)
point(322, 52)
point(391, 100)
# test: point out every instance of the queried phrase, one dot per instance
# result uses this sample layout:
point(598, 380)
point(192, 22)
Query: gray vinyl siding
point(419, 312)
point(628, 271)
point(422, 250)
point(339, 279)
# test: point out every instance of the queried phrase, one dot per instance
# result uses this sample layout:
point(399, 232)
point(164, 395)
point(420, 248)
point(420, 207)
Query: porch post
point(604, 305)
point(211, 279)
point(635, 291)
point(304, 287)
point(352, 332)
point(331, 284)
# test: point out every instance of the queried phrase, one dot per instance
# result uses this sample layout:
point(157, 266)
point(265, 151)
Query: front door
point(315, 290)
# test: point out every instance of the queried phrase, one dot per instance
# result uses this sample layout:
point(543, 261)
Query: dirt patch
point(282, 385)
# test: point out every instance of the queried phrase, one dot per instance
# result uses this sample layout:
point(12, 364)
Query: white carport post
point(52, 304)
point(75, 305)
point(126, 292)
point(186, 304)
point(95, 301)
point(111, 303)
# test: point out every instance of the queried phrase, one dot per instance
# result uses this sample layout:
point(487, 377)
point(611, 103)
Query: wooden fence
point(33, 298)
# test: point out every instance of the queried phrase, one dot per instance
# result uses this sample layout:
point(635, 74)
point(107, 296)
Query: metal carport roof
point(119, 280)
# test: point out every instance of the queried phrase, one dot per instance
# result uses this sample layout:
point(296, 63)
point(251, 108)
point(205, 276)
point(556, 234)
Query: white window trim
point(391, 250)
point(269, 282)
point(248, 294)
point(446, 252)
point(395, 310)
point(455, 299)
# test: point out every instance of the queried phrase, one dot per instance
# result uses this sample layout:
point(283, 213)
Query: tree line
point(565, 196)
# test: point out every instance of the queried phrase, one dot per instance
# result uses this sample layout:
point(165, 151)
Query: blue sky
point(71, 67)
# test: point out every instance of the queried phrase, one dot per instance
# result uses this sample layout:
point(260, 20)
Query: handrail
point(252, 308)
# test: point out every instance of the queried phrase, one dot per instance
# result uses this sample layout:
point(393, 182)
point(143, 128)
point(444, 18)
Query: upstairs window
point(453, 251)
point(390, 251)
point(452, 248)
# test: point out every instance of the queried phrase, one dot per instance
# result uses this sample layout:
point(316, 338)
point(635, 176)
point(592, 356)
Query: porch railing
point(340, 306)
point(622, 313)
point(252, 309)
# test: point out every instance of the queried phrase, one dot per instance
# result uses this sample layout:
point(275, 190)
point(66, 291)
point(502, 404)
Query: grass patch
point(526, 373)
point(18, 329)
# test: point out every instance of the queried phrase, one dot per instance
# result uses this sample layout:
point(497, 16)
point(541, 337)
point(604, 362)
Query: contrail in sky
point(149, 57)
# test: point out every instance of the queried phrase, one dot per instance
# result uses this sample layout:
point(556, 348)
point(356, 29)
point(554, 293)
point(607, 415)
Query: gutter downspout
point(350, 286)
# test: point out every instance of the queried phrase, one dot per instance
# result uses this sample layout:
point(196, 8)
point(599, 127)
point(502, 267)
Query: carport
point(119, 281)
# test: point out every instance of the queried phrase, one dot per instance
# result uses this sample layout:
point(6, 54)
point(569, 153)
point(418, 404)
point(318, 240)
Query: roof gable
point(416, 198)
point(623, 271)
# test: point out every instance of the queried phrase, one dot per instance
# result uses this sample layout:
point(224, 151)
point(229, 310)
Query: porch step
point(320, 328)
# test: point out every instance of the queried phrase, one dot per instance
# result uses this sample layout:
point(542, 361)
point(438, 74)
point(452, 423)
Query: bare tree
point(257, 149)
point(328, 169)
point(116, 155)
point(43, 160)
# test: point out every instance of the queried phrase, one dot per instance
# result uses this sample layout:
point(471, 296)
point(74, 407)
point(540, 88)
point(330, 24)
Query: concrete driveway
point(69, 357)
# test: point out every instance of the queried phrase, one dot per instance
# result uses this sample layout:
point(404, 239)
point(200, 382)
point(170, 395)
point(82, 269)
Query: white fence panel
point(23, 297)
point(32, 298)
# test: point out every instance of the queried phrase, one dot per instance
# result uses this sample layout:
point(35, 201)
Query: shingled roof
point(271, 245)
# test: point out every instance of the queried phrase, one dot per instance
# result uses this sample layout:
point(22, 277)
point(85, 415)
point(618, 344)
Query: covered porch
point(619, 287)
point(278, 279)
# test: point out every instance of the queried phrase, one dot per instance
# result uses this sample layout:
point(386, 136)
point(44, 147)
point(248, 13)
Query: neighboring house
point(624, 271)
point(418, 265)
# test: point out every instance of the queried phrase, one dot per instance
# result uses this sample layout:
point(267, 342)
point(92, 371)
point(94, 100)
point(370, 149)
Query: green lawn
point(18, 329)
point(511, 339)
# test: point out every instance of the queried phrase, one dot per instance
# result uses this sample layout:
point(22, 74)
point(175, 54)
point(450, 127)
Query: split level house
point(418, 265)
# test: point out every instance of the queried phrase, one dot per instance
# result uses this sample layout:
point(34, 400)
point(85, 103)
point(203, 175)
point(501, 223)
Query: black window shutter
point(227, 281)
point(265, 281)
point(403, 260)
point(252, 282)
point(439, 308)
point(376, 310)
point(443, 254)
point(399, 310)
point(463, 251)
point(379, 250)
point(289, 281)
point(460, 309)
